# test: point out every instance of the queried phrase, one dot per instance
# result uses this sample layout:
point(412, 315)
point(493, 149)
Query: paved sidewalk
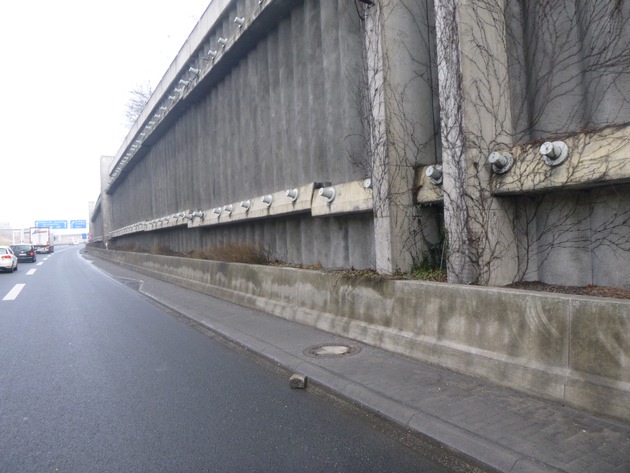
point(506, 430)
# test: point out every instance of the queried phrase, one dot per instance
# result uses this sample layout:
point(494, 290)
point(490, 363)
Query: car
point(25, 252)
point(8, 260)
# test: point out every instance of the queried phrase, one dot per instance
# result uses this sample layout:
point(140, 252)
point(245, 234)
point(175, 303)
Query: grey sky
point(67, 70)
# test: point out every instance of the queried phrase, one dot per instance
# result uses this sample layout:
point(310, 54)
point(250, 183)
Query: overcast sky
point(68, 67)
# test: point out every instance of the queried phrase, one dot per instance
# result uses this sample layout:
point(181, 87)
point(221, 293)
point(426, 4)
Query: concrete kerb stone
point(526, 341)
point(424, 424)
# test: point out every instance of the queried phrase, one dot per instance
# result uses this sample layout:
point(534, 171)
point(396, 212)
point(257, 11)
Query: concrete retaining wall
point(276, 111)
point(303, 93)
point(569, 349)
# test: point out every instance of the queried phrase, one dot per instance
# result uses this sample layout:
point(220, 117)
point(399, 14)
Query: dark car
point(25, 252)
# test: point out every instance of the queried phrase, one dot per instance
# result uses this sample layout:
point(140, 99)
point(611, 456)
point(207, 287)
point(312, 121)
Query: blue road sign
point(54, 224)
point(78, 224)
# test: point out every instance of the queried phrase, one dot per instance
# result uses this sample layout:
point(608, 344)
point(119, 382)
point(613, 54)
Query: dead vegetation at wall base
point(248, 253)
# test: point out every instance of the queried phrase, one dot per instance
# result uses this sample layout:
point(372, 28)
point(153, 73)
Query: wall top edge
point(208, 19)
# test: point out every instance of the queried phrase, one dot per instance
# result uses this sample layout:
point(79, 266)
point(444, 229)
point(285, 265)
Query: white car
point(8, 260)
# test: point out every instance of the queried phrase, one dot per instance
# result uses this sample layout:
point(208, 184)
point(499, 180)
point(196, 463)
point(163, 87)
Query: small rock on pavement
point(297, 381)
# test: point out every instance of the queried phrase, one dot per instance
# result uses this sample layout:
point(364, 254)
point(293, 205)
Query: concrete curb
point(448, 435)
point(546, 345)
point(479, 425)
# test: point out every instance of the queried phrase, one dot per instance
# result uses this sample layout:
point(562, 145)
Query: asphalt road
point(94, 377)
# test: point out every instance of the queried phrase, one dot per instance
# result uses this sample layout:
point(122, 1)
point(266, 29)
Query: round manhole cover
point(330, 350)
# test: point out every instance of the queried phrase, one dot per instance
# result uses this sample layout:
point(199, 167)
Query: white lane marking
point(13, 293)
point(39, 264)
point(31, 272)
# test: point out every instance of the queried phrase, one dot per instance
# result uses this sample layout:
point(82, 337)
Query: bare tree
point(138, 98)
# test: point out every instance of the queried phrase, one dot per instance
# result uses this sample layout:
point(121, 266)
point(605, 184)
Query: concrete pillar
point(399, 117)
point(475, 112)
point(106, 199)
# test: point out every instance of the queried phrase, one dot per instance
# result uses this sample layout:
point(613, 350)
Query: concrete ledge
point(350, 197)
point(569, 349)
point(595, 159)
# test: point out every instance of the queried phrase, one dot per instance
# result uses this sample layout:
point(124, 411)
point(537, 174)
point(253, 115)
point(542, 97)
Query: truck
point(42, 239)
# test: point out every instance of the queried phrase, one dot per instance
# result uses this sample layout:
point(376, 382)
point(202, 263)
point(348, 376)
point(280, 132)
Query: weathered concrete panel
point(567, 234)
point(599, 339)
point(279, 118)
point(296, 238)
point(571, 58)
point(600, 355)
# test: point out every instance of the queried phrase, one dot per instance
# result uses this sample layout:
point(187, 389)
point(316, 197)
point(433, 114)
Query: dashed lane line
point(13, 293)
point(31, 272)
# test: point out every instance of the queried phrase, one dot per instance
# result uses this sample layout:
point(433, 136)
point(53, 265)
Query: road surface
point(96, 378)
